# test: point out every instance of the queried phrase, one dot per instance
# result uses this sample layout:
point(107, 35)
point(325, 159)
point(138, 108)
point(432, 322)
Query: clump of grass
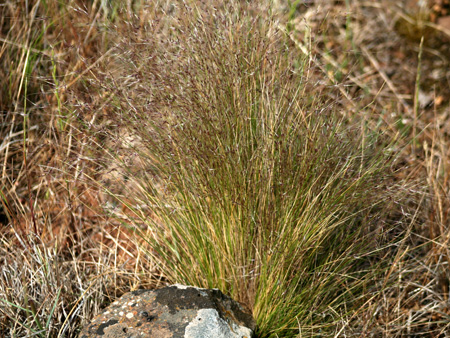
point(259, 187)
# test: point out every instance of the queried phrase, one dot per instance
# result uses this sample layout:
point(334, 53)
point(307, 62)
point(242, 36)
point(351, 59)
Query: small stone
point(175, 311)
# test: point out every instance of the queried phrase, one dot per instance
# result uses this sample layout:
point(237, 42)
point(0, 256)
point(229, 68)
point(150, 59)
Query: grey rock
point(174, 311)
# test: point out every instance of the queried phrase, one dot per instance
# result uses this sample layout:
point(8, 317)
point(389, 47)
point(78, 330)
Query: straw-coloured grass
point(293, 154)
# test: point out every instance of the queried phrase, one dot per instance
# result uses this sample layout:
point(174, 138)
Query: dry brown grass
point(62, 255)
point(373, 49)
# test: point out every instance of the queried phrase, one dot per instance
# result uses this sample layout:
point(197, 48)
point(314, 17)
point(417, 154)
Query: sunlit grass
point(251, 144)
point(260, 187)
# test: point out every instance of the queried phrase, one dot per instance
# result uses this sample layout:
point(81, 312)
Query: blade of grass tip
point(16, 306)
point(47, 324)
point(15, 319)
point(32, 309)
point(416, 96)
point(35, 315)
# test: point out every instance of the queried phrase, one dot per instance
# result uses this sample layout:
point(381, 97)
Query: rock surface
point(174, 311)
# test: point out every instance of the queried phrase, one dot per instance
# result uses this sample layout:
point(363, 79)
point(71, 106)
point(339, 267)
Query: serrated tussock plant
point(252, 181)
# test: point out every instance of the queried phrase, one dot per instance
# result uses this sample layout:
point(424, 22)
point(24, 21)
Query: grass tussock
point(260, 187)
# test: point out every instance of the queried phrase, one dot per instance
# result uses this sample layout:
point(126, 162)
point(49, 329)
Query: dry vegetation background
point(63, 256)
